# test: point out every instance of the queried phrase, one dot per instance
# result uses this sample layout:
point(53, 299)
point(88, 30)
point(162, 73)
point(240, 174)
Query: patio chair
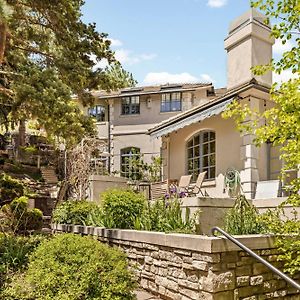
point(196, 189)
point(268, 189)
point(158, 190)
point(184, 183)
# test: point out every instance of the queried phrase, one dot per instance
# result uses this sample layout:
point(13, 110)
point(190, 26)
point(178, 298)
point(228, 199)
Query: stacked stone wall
point(188, 267)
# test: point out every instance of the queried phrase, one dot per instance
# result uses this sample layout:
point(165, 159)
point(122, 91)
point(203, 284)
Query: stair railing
point(260, 259)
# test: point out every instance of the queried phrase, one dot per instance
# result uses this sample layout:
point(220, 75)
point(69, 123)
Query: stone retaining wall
point(185, 267)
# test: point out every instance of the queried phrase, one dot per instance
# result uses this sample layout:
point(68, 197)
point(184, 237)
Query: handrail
point(260, 259)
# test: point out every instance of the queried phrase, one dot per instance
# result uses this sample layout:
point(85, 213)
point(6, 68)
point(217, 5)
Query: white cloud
point(127, 57)
point(165, 77)
point(216, 3)
point(279, 48)
point(115, 43)
point(283, 76)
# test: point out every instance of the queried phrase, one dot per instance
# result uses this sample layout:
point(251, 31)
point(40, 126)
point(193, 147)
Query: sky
point(170, 41)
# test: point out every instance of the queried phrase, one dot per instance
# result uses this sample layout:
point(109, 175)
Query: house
point(199, 139)
point(123, 118)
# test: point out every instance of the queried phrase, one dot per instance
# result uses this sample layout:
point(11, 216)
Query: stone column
point(249, 155)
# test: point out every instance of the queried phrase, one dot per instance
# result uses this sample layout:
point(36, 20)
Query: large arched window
point(129, 166)
point(201, 154)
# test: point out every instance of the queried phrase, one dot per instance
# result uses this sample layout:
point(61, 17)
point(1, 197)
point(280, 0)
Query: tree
point(47, 59)
point(283, 120)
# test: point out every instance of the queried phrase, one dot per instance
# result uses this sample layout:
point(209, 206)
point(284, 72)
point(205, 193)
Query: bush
point(71, 267)
point(16, 216)
point(243, 218)
point(78, 212)
point(10, 189)
point(14, 252)
point(121, 208)
point(165, 215)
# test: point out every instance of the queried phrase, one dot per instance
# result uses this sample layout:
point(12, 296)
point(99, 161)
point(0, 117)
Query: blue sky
point(162, 41)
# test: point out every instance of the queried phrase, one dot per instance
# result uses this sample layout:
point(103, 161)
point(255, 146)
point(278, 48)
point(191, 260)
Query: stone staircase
point(49, 175)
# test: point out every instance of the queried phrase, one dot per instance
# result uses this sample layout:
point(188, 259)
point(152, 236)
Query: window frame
point(124, 165)
point(95, 114)
point(169, 105)
point(202, 146)
point(130, 108)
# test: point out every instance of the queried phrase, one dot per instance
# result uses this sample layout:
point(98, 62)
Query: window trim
point(130, 105)
point(171, 101)
point(210, 167)
point(126, 155)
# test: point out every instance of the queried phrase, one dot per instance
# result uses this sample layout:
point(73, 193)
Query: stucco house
point(200, 140)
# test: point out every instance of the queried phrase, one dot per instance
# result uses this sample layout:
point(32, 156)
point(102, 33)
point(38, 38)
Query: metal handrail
point(260, 259)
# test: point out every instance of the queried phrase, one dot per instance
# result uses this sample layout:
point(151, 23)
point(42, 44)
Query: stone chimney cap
point(248, 17)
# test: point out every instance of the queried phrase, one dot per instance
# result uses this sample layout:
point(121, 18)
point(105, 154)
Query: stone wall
point(185, 267)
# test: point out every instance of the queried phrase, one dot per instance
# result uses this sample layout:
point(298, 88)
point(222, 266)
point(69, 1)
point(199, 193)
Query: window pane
point(205, 161)
point(190, 143)
point(205, 149)
point(205, 136)
point(212, 147)
point(212, 136)
point(190, 152)
point(197, 140)
point(197, 151)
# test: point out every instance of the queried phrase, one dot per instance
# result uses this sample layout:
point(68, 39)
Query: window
point(97, 112)
point(170, 102)
point(201, 154)
point(131, 105)
point(129, 163)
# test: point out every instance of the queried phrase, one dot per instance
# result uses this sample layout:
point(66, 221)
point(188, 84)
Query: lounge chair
point(184, 183)
point(196, 189)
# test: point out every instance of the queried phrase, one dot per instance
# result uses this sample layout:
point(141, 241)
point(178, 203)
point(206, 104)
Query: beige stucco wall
point(228, 144)
point(149, 147)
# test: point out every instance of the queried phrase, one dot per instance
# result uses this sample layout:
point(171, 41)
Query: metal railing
point(260, 259)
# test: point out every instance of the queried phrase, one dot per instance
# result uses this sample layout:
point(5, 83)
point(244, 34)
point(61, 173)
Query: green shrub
point(71, 267)
point(10, 189)
point(165, 215)
point(14, 252)
point(17, 218)
point(121, 208)
point(243, 218)
point(78, 212)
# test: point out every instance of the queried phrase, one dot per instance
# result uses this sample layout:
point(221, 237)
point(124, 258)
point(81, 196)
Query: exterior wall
point(191, 267)
point(99, 184)
point(148, 146)
point(228, 142)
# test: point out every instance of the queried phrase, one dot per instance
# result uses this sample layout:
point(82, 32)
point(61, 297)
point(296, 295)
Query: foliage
point(165, 215)
point(142, 171)
point(80, 212)
point(48, 56)
point(287, 232)
point(282, 126)
point(10, 188)
point(243, 218)
point(16, 217)
point(71, 267)
point(14, 253)
point(121, 208)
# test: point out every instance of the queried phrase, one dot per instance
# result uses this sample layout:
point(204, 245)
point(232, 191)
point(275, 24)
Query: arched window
point(201, 154)
point(129, 166)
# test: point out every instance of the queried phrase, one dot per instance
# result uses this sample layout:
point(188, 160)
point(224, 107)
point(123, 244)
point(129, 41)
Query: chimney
point(248, 44)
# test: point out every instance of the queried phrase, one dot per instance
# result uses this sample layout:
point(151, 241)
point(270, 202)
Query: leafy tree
point(47, 58)
point(283, 120)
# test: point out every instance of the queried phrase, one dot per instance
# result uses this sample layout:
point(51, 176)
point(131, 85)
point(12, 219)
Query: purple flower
point(182, 194)
point(172, 190)
point(166, 196)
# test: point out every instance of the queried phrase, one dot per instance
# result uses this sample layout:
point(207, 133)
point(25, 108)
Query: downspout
point(109, 138)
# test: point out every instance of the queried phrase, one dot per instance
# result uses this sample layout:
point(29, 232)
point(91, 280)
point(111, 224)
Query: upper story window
point(170, 102)
point(201, 154)
point(131, 105)
point(97, 112)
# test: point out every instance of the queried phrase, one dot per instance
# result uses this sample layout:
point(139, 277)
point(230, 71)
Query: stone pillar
point(249, 155)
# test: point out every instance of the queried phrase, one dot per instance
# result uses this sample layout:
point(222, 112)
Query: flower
point(166, 196)
point(182, 194)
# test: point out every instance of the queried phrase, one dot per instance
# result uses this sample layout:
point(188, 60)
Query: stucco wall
point(228, 144)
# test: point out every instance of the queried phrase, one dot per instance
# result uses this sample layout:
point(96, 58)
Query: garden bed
point(180, 266)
